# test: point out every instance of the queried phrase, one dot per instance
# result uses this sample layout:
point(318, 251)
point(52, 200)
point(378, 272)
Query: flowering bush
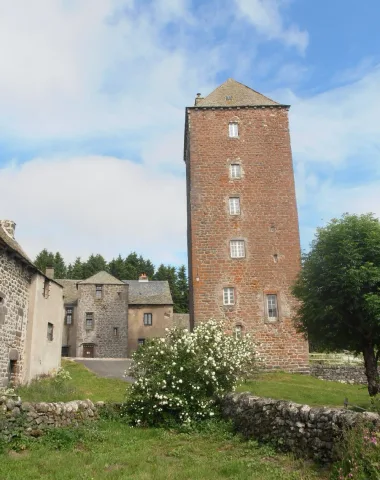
point(360, 455)
point(180, 377)
point(61, 375)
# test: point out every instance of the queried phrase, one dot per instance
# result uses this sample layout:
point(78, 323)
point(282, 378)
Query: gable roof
point(240, 94)
point(101, 278)
point(70, 291)
point(156, 292)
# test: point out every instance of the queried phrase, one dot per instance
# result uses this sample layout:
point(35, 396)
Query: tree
point(339, 290)
point(182, 301)
point(44, 259)
point(116, 267)
point(76, 271)
point(94, 264)
point(60, 270)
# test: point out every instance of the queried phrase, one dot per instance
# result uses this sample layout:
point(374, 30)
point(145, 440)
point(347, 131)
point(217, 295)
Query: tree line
point(128, 268)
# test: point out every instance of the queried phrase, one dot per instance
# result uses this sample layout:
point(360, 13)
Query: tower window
point(115, 331)
point(89, 320)
point(148, 319)
point(233, 129)
point(99, 291)
point(234, 203)
point(237, 248)
point(235, 170)
point(228, 296)
point(69, 316)
point(238, 331)
point(272, 307)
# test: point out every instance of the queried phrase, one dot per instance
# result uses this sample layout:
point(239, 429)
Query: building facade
point(243, 237)
point(31, 314)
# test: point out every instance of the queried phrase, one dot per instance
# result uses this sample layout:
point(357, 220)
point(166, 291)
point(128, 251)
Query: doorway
point(88, 350)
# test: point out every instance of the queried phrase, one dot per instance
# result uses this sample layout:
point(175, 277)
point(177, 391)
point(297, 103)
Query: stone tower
point(243, 238)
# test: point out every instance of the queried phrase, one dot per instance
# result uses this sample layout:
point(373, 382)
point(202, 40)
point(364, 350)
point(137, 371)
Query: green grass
point(84, 385)
point(112, 450)
point(306, 390)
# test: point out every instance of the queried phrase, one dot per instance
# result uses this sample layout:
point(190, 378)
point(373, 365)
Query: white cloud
point(266, 16)
point(95, 204)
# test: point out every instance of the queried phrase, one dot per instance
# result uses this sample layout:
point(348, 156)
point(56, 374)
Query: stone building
point(31, 314)
point(243, 238)
point(150, 308)
point(106, 317)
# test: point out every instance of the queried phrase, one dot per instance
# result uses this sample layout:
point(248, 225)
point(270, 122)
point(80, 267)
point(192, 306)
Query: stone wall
point(109, 312)
point(339, 373)
point(33, 418)
point(181, 320)
point(15, 280)
point(308, 432)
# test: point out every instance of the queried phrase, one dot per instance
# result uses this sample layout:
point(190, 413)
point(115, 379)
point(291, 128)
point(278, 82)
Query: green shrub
point(180, 377)
point(359, 454)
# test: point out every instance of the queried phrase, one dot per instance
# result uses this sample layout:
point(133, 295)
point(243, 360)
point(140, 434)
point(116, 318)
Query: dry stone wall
point(306, 431)
point(33, 418)
point(354, 374)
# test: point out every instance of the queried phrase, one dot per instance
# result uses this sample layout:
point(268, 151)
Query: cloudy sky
point(92, 99)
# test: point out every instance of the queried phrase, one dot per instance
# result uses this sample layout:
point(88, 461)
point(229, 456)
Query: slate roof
point(156, 292)
point(240, 94)
point(70, 291)
point(101, 278)
point(14, 246)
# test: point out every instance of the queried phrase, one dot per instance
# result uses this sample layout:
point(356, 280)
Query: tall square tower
point(243, 237)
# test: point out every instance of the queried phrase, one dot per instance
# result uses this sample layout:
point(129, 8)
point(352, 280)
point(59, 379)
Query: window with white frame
point(238, 331)
point(234, 203)
point(89, 320)
point(233, 129)
point(228, 296)
point(99, 291)
point(148, 319)
point(235, 170)
point(272, 307)
point(69, 316)
point(237, 248)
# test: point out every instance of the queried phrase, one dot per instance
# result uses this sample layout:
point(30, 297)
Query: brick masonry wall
point(268, 224)
point(308, 432)
point(110, 311)
point(14, 294)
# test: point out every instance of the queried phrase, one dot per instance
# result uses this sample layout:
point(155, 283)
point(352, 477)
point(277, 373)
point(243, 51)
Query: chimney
point(49, 271)
point(143, 278)
point(9, 226)
point(198, 97)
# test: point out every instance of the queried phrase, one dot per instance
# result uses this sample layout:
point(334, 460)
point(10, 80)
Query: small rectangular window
point(234, 203)
point(233, 129)
point(89, 320)
point(238, 332)
point(140, 342)
point(235, 170)
point(98, 291)
point(115, 331)
point(237, 248)
point(272, 307)
point(46, 288)
point(148, 319)
point(69, 316)
point(228, 296)
point(50, 329)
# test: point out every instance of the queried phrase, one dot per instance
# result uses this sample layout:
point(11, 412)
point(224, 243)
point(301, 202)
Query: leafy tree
point(339, 290)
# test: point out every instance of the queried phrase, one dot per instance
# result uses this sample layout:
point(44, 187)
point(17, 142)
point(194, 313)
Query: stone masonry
point(109, 312)
point(14, 294)
point(267, 221)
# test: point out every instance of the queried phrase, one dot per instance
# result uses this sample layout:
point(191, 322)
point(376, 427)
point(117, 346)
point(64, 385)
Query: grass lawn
point(307, 390)
point(112, 450)
point(84, 385)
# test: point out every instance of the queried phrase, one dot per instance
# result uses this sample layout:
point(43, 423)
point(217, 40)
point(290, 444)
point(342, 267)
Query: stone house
point(243, 237)
point(31, 314)
point(106, 317)
point(150, 308)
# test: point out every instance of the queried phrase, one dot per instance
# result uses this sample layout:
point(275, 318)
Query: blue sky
point(92, 99)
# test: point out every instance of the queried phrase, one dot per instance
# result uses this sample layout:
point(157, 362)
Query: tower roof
point(101, 278)
point(234, 94)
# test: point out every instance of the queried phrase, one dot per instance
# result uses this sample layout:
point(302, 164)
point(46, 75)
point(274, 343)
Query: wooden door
point(88, 351)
